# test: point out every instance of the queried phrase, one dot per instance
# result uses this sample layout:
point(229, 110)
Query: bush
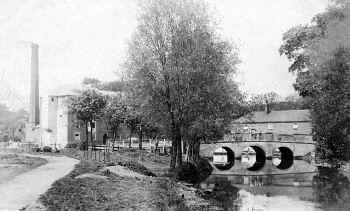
point(36, 149)
point(188, 172)
point(83, 146)
point(137, 167)
point(85, 167)
point(204, 169)
point(47, 149)
point(72, 145)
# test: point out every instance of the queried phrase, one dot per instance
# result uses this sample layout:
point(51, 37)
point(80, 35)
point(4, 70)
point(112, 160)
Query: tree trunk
point(173, 153)
point(86, 136)
point(179, 154)
point(176, 150)
point(156, 145)
point(140, 140)
point(193, 151)
point(179, 149)
point(114, 138)
point(130, 140)
point(91, 136)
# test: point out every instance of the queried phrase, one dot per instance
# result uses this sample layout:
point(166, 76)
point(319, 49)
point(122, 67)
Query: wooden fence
point(104, 153)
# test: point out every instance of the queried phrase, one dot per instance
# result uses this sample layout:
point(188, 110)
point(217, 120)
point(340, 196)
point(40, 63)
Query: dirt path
point(27, 187)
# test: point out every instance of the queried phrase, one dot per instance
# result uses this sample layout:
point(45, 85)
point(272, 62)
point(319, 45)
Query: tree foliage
point(11, 121)
point(182, 69)
point(88, 107)
point(308, 46)
point(320, 57)
point(259, 102)
point(113, 86)
point(114, 115)
point(331, 108)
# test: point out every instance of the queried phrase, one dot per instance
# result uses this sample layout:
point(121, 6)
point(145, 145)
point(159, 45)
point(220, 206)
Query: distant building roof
point(276, 116)
point(68, 90)
point(71, 91)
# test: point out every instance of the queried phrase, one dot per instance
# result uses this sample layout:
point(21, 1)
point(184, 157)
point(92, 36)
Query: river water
point(302, 187)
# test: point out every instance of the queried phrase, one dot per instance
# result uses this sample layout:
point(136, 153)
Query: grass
point(12, 165)
point(113, 193)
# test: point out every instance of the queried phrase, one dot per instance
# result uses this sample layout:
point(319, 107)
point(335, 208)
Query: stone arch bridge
point(264, 151)
point(299, 148)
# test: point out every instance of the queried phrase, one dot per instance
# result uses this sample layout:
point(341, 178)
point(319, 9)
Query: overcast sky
point(88, 38)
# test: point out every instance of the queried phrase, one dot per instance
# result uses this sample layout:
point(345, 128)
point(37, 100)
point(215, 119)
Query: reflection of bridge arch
point(286, 157)
point(260, 158)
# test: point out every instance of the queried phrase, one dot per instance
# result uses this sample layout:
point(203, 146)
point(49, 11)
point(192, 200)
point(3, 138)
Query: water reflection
point(301, 187)
point(332, 189)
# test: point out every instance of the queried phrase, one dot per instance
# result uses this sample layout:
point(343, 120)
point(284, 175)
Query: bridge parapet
point(268, 137)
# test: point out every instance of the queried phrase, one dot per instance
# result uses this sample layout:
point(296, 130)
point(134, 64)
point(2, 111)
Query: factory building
point(58, 126)
point(51, 123)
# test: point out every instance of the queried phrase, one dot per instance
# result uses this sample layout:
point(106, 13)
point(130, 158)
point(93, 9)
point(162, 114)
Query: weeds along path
point(26, 188)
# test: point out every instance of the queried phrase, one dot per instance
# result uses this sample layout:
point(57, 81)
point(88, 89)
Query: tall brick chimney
point(34, 86)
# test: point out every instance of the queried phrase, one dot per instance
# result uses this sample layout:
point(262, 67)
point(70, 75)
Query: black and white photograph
point(175, 105)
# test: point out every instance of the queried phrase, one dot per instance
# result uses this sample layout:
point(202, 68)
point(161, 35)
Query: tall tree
point(260, 101)
point(114, 115)
point(331, 108)
point(88, 107)
point(182, 67)
point(275, 102)
point(306, 46)
point(132, 121)
point(320, 57)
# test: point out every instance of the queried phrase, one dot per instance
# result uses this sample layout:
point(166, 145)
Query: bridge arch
point(223, 158)
point(284, 157)
point(260, 158)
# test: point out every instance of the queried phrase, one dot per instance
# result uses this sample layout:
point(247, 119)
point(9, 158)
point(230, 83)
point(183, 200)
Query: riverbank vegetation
point(90, 186)
point(320, 56)
point(178, 81)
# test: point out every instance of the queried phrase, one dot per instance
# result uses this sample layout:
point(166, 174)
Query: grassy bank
point(91, 187)
point(12, 165)
point(102, 190)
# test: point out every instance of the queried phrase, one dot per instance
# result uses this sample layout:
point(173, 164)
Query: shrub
point(83, 146)
point(72, 145)
point(137, 167)
point(85, 167)
point(204, 169)
point(36, 149)
point(188, 172)
point(47, 149)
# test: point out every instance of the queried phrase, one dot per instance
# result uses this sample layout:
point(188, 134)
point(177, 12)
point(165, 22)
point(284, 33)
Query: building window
point(76, 136)
point(52, 99)
point(253, 133)
point(245, 129)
